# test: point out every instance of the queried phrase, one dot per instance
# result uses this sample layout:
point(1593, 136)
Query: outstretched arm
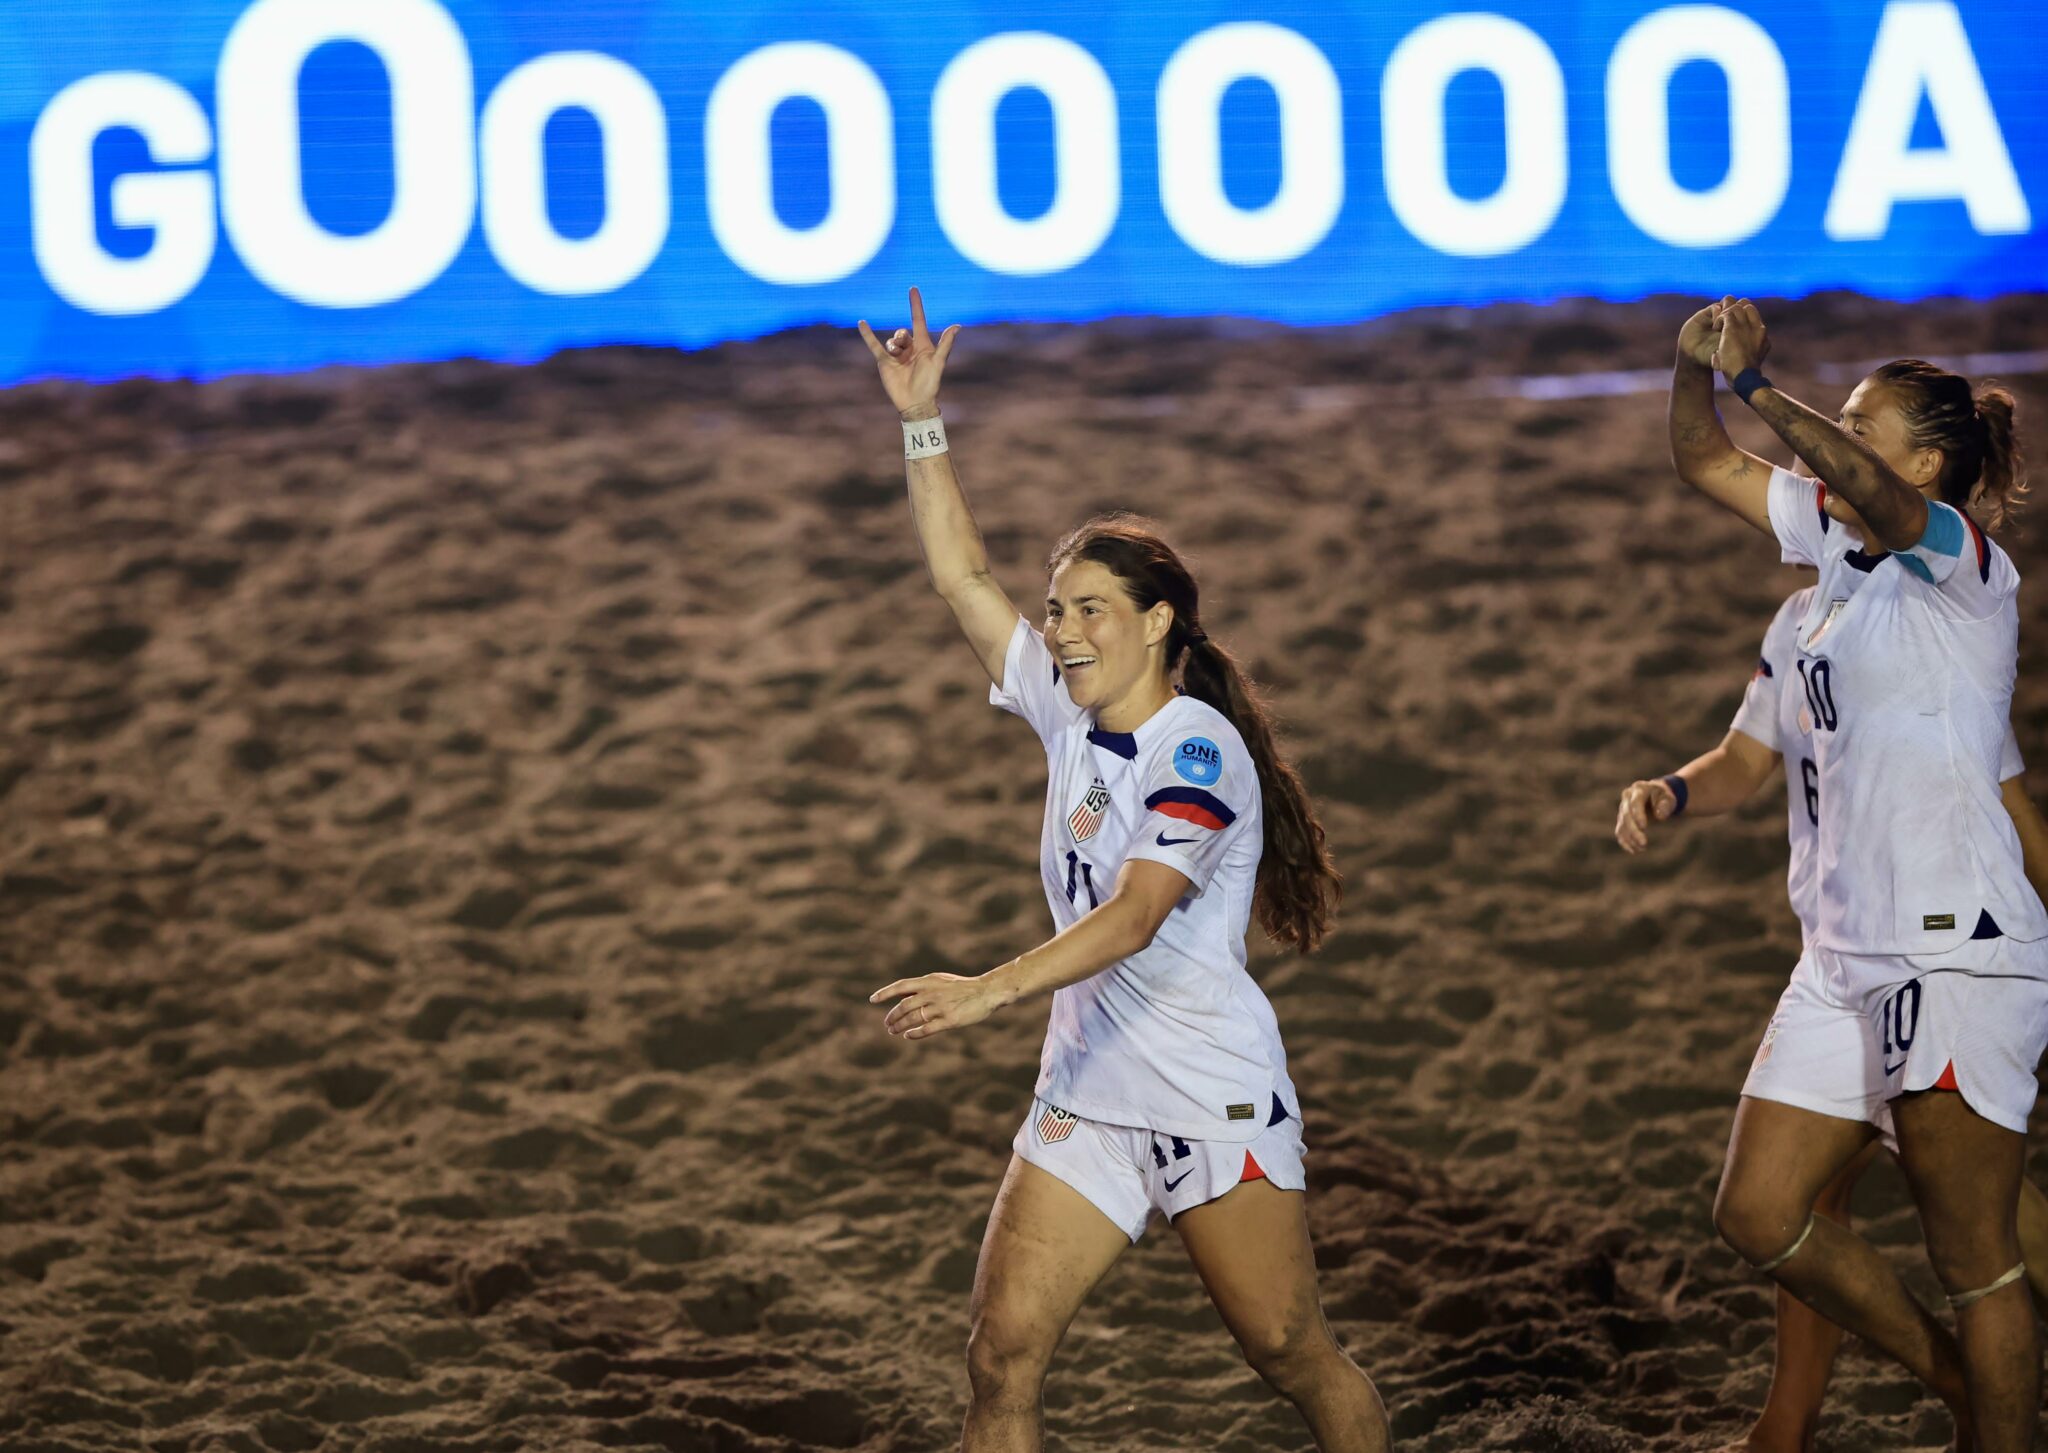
point(1894, 510)
point(1701, 451)
point(1716, 782)
point(1145, 893)
point(911, 366)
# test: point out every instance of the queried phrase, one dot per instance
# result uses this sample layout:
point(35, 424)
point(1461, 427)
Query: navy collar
point(1866, 562)
point(1124, 744)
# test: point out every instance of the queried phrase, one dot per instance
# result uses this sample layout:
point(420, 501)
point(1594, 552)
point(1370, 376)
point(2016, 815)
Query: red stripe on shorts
point(1252, 1170)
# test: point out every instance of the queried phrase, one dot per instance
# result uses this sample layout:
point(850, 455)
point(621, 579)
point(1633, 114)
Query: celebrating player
point(1171, 820)
point(1924, 917)
point(1814, 1053)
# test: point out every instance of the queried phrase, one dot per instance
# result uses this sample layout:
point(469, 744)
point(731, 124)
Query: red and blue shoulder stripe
point(1983, 546)
point(1192, 804)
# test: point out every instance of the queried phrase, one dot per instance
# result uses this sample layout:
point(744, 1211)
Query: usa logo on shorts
point(1084, 820)
point(1763, 1051)
point(1056, 1124)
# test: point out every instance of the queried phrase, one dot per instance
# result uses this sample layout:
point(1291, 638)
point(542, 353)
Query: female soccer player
point(1813, 1052)
point(1925, 920)
point(1171, 819)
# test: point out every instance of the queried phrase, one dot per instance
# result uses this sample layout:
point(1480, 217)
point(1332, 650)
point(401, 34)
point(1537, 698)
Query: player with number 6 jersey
point(1924, 921)
point(1172, 821)
point(1815, 1052)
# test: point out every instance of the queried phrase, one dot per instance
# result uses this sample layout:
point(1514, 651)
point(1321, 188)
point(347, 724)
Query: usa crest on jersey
point(1056, 1124)
point(1086, 819)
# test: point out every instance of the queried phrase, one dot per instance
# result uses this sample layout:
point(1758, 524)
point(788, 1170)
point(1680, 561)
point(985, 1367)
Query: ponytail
point(1973, 430)
point(2005, 466)
point(1298, 884)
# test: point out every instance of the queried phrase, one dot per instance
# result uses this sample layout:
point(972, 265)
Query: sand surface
point(453, 817)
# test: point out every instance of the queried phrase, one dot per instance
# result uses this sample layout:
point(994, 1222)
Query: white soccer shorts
point(1127, 1173)
point(1817, 1055)
point(1973, 1019)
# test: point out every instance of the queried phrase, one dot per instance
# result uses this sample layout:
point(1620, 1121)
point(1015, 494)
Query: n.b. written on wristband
point(924, 438)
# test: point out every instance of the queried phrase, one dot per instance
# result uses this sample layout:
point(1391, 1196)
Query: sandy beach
point(454, 814)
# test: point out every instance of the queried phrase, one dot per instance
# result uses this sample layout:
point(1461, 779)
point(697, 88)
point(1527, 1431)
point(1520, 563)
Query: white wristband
point(924, 438)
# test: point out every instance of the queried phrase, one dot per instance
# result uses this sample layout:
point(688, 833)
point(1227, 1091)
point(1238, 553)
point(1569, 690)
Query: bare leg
point(1779, 1160)
point(1045, 1249)
point(2033, 1230)
point(1966, 1174)
point(1252, 1251)
point(1806, 1344)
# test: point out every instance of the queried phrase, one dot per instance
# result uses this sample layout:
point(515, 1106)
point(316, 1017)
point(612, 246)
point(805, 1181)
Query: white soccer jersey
point(1774, 712)
point(1906, 661)
point(1176, 1038)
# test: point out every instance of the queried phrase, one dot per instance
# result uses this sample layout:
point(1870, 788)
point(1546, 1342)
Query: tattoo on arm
point(1696, 431)
point(1845, 464)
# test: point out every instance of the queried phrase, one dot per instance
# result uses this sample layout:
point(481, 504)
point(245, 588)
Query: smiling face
point(1872, 414)
point(1111, 654)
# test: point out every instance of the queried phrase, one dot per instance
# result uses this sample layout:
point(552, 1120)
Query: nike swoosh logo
point(1170, 1185)
point(1166, 842)
point(1894, 1069)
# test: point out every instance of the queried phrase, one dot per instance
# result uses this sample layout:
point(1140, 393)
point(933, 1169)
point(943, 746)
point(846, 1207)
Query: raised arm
point(1701, 451)
point(1895, 511)
point(911, 365)
point(1715, 782)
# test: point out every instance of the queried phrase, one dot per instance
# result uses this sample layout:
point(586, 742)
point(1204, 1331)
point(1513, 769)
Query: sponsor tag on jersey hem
point(1932, 921)
point(1239, 1112)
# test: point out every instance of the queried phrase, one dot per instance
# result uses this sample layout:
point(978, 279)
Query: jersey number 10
point(1819, 677)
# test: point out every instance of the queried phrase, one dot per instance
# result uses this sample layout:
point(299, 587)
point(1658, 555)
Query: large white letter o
point(1419, 72)
point(433, 149)
point(1311, 190)
point(861, 152)
point(1639, 126)
point(1086, 190)
point(636, 189)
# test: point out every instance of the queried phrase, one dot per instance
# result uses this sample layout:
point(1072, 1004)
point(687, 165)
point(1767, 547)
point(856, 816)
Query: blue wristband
point(1678, 789)
point(1748, 382)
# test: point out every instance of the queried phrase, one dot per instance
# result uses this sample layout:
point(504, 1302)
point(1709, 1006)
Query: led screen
point(202, 187)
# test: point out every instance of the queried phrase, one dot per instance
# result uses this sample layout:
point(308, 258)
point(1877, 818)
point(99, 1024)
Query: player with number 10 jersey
point(1924, 920)
point(1816, 1053)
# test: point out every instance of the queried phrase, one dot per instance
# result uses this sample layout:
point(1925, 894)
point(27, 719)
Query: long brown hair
point(1298, 885)
point(1973, 429)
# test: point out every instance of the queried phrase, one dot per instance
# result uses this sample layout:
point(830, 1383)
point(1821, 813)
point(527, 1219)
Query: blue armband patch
point(1198, 760)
